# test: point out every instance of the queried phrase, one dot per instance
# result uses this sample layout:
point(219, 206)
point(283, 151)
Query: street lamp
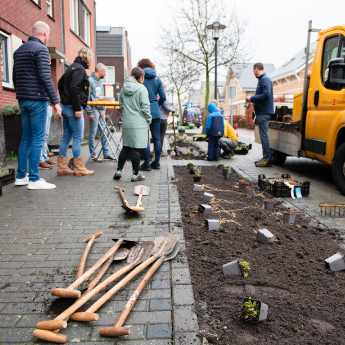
point(216, 28)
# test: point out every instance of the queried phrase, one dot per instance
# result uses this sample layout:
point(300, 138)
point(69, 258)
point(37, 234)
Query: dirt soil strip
point(306, 300)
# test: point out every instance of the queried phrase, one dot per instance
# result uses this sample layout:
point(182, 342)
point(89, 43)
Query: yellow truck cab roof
point(332, 29)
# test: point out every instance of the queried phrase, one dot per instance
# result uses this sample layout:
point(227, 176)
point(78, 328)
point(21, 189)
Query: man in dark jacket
point(157, 98)
point(263, 105)
point(34, 90)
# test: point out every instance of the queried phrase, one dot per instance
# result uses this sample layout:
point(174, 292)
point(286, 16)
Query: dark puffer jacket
point(74, 85)
point(32, 74)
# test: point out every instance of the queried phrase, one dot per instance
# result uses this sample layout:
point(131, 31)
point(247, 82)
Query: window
point(50, 8)
point(331, 51)
point(80, 20)
point(74, 13)
point(110, 75)
point(4, 44)
point(232, 92)
point(87, 29)
point(37, 2)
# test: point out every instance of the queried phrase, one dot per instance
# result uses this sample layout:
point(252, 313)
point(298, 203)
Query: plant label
point(208, 197)
point(265, 236)
point(336, 262)
point(213, 224)
point(232, 269)
point(198, 188)
point(205, 209)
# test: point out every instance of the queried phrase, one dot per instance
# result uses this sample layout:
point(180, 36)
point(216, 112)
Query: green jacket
point(136, 116)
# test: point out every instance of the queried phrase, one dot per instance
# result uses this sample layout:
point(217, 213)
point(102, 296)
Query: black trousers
point(164, 125)
point(131, 154)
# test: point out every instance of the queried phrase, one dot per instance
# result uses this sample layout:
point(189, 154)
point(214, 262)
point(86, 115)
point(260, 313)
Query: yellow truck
point(316, 128)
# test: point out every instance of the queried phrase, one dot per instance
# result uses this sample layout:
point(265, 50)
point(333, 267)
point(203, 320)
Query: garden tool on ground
point(146, 260)
point(168, 251)
point(332, 209)
point(126, 205)
point(90, 240)
point(119, 256)
point(71, 291)
point(48, 330)
point(141, 191)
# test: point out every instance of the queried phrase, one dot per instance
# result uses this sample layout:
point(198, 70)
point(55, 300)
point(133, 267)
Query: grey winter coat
point(136, 116)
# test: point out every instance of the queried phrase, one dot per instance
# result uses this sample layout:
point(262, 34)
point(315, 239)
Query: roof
point(294, 65)
point(109, 41)
point(244, 73)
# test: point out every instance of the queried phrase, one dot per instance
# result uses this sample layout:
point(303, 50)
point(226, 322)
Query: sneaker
point(45, 166)
point(109, 158)
point(263, 163)
point(155, 166)
point(145, 167)
point(41, 184)
point(117, 175)
point(137, 178)
point(22, 181)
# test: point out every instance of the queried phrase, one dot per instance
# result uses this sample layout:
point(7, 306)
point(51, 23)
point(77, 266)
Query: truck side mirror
point(336, 74)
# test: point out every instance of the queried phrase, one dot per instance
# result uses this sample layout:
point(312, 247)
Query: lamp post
point(216, 28)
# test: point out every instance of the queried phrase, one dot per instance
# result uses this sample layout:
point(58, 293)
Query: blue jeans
point(93, 129)
point(73, 128)
point(33, 119)
point(155, 128)
point(213, 151)
point(44, 152)
point(262, 122)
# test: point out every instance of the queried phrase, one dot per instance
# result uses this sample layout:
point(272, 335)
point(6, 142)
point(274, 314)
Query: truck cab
point(316, 128)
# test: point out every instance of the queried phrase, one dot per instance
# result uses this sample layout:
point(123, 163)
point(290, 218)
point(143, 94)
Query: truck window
point(342, 50)
point(331, 51)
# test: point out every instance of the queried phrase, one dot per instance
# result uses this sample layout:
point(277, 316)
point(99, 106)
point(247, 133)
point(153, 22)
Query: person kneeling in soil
point(136, 118)
point(214, 130)
point(229, 141)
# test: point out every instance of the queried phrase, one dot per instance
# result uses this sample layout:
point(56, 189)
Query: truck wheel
point(338, 168)
point(278, 158)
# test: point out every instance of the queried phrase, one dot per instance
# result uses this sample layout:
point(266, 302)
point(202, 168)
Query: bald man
point(97, 114)
point(34, 90)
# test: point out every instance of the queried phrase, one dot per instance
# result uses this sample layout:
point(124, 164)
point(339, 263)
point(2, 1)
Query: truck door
point(324, 102)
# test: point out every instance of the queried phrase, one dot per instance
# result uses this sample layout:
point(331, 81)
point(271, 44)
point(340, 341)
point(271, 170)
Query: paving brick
point(187, 339)
point(159, 331)
point(185, 319)
point(181, 276)
point(160, 304)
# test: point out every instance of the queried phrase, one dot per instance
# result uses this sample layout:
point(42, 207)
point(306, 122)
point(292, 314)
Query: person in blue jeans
point(157, 98)
point(264, 110)
point(34, 90)
point(74, 93)
point(97, 114)
point(45, 162)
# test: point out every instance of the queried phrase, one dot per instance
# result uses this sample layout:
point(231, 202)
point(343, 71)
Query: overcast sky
point(275, 29)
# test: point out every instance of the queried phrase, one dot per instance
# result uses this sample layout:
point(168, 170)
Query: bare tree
point(191, 40)
point(180, 73)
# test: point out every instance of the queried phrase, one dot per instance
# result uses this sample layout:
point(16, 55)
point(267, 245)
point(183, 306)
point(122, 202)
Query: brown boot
point(80, 168)
point(62, 167)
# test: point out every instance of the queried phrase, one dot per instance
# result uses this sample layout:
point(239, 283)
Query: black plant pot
point(196, 178)
point(12, 129)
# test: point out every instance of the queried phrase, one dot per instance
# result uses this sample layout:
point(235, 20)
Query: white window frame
point(50, 8)
point(37, 2)
point(9, 60)
point(110, 75)
point(74, 14)
point(87, 26)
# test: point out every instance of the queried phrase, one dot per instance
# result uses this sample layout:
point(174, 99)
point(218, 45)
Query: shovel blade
point(141, 190)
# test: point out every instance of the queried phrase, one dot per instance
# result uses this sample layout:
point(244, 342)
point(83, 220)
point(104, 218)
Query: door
point(325, 103)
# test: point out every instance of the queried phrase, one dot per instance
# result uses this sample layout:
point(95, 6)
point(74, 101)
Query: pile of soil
point(306, 300)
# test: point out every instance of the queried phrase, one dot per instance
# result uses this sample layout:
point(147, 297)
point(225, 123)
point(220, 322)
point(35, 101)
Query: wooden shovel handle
point(134, 298)
point(122, 196)
point(86, 275)
point(90, 241)
point(100, 274)
point(121, 284)
point(139, 201)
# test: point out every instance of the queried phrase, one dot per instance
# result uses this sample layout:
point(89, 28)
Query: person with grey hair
point(34, 90)
point(97, 114)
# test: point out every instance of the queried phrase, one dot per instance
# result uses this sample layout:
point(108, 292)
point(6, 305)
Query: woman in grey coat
point(136, 118)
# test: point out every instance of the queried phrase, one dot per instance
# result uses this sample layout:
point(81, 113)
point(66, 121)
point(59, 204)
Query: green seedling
point(245, 268)
point(250, 309)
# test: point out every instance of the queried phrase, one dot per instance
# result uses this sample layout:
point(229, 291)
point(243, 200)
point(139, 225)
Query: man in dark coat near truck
point(34, 90)
point(263, 105)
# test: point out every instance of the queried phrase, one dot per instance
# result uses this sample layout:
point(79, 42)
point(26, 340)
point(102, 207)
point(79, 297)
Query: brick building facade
point(72, 24)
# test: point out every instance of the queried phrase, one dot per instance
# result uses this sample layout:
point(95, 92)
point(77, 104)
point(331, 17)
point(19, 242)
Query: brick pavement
point(41, 235)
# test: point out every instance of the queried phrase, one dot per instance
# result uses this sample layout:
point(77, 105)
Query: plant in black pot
point(197, 175)
point(12, 127)
point(253, 310)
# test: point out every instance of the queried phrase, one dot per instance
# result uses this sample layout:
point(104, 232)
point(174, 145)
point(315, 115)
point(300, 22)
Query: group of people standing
point(142, 98)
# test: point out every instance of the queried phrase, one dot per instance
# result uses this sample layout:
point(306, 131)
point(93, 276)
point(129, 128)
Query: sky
point(274, 30)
